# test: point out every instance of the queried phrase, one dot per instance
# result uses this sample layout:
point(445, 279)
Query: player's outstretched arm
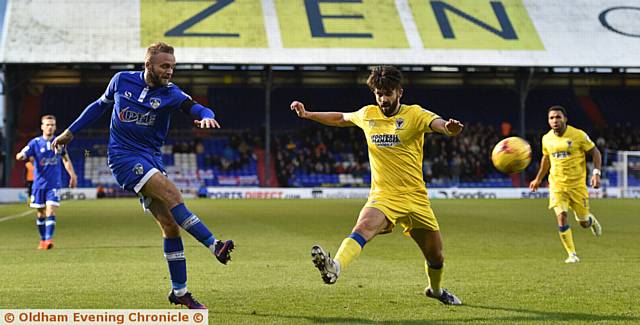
point(451, 127)
point(90, 114)
point(545, 164)
point(206, 117)
point(326, 118)
point(597, 167)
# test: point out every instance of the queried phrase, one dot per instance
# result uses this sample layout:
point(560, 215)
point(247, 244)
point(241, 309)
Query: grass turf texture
point(504, 260)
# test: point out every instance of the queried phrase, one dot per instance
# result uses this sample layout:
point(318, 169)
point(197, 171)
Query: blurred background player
point(563, 153)
point(47, 178)
point(395, 138)
point(143, 102)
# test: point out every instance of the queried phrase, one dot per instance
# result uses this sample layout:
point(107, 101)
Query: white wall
point(572, 33)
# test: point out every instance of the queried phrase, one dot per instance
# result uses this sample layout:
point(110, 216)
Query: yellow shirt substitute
point(395, 146)
point(567, 156)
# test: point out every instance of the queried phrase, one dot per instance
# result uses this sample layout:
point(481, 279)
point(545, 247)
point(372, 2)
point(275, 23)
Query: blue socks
point(50, 227)
point(174, 253)
point(41, 227)
point(190, 222)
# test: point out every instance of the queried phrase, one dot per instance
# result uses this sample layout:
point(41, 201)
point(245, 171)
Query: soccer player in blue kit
point(45, 194)
point(143, 102)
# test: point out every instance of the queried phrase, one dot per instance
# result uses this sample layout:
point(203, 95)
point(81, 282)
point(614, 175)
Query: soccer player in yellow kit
point(563, 153)
point(395, 138)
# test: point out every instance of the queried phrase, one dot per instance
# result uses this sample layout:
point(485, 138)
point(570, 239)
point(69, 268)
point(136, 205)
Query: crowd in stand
point(447, 161)
point(343, 151)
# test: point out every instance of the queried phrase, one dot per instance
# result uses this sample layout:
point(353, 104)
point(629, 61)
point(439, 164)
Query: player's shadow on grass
point(527, 316)
point(533, 315)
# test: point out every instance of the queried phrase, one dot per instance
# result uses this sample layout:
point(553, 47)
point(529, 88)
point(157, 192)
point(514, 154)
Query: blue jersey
point(141, 114)
point(48, 171)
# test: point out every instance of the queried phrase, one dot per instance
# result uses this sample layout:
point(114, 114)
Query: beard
point(390, 108)
point(156, 80)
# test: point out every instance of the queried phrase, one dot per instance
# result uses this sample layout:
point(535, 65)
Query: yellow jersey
point(567, 156)
point(395, 146)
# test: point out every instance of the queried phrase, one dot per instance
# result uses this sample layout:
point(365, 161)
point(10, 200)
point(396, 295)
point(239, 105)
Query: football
point(511, 155)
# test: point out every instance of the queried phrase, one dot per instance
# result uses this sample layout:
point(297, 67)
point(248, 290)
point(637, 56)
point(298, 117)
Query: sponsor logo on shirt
point(385, 140)
point(48, 161)
point(128, 116)
point(561, 154)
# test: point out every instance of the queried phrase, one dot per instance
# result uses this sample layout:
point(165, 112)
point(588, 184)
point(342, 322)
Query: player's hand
point(595, 181)
point(206, 123)
point(453, 127)
point(73, 181)
point(299, 108)
point(533, 186)
point(62, 140)
point(21, 156)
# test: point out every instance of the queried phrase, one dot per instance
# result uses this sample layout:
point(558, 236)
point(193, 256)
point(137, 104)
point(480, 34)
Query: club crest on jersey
point(127, 115)
point(155, 102)
point(399, 123)
point(569, 143)
point(138, 169)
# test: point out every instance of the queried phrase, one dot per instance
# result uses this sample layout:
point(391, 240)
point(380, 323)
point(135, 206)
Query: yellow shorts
point(575, 198)
point(411, 211)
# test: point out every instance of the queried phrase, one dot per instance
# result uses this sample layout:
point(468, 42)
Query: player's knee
point(585, 221)
point(562, 218)
point(365, 230)
point(169, 227)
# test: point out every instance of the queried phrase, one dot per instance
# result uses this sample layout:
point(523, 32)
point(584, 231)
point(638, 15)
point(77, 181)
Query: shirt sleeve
point(356, 117)
point(545, 151)
point(179, 97)
point(110, 92)
point(29, 149)
point(424, 119)
point(585, 142)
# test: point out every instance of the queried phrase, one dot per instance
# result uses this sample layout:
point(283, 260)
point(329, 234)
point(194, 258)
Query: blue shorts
point(134, 170)
point(41, 197)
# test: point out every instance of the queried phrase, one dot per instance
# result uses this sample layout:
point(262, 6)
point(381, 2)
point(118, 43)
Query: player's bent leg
point(589, 221)
point(370, 222)
point(158, 187)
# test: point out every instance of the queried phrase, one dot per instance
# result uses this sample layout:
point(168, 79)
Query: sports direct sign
point(420, 32)
point(363, 193)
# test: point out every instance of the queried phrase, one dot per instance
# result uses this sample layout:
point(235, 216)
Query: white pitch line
point(15, 216)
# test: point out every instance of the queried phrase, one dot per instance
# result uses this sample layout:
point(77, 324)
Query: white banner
point(410, 32)
point(13, 195)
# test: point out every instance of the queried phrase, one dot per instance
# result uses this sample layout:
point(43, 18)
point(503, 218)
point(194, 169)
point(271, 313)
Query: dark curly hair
point(385, 77)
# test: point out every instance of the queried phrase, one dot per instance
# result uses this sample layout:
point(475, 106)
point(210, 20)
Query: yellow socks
point(435, 277)
point(350, 249)
point(566, 236)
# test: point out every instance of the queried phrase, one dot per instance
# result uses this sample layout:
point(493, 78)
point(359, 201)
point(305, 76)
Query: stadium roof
point(525, 33)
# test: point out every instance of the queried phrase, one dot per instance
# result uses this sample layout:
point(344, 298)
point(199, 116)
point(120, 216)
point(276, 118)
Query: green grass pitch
point(503, 259)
